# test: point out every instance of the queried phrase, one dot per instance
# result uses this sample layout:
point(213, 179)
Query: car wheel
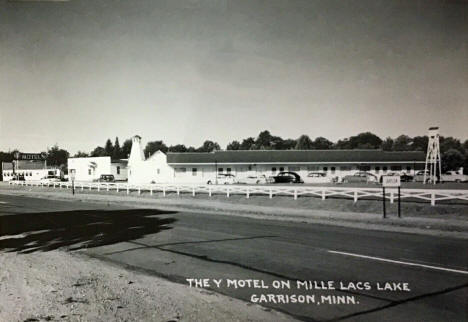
point(258, 181)
point(457, 180)
point(345, 181)
point(209, 182)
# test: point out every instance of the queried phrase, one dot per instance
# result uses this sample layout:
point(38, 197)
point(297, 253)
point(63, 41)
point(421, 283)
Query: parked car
point(49, 179)
point(223, 178)
point(318, 177)
point(287, 177)
point(360, 176)
point(255, 179)
point(453, 176)
point(419, 176)
point(106, 178)
point(19, 177)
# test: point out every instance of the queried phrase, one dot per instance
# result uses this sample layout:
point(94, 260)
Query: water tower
point(433, 167)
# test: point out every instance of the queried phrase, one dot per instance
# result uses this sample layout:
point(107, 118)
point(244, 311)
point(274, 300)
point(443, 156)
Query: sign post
point(72, 178)
point(391, 182)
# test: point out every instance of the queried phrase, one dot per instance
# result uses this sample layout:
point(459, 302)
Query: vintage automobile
point(49, 179)
point(360, 176)
point(453, 176)
point(106, 178)
point(223, 178)
point(287, 177)
point(254, 179)
point(318, 177)
point(419, 176)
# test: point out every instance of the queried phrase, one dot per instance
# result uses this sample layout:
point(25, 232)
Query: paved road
point(194, 245)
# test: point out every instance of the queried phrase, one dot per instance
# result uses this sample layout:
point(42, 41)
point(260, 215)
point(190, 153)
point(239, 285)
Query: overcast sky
point(78, 72)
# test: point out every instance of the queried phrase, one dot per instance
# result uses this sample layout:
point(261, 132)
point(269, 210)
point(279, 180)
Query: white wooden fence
point(428, 195)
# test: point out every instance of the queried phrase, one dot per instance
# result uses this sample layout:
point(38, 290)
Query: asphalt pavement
point(427, 276)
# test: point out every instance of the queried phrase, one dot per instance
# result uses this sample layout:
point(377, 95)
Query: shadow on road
point(31, 232)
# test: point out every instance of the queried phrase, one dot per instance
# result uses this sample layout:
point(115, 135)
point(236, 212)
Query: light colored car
point(49, 179)
point(361, 176)
point(254, 179)
point(317, 177)
point(223, 178)
point(453, 176)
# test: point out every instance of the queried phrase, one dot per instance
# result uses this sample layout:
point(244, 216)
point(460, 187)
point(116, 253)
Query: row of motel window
point(332, 170)
point(10, 174)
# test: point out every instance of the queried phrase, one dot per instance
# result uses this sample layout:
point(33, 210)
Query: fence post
point(433, 199)
point(151, 191)
point(117, 189)
point(82, 188)
point(164, 191)
point(107, 186)
point(193, 191)
point(128, 190)
point(323, 194)
point(99, 187)
point(248, 193)
point(209, 191)
point(295, 193)
point(392, 196)
point(178, 190)
point(227, 192)
point(139, 190)
point(355, 196)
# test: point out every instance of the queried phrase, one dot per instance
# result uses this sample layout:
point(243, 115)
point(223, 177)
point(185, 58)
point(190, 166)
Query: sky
point(77, 72)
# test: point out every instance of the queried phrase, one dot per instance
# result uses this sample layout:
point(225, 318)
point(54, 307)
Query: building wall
point(30, 175)
point(119, 170)
point(89, 169)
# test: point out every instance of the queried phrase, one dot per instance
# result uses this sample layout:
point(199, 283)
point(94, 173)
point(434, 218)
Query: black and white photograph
point(233, 160)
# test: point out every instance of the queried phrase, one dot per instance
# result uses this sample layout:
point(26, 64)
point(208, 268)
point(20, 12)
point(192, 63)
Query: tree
point(266, 141)
point(448, 143)
point(452, 160)
point(304, 143)
point(366, 140)
point(56, 156)
point(343, 144)
point(322, 143)
point(126, 148)
point(402, 143)
point(387, 144)
point(108, 148)
point(208, 146)
point(248, 144)
point(116, 152)
point(152, 147)
point(420, 143)
point(177, 148)
point(288, 144)
point(81, 154)
point(234, 145)
point(99, 151)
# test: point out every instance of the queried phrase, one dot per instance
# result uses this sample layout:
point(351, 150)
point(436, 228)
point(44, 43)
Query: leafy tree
point(109, 148)
point(322, 143)
point(264, 141)
point(126, 148)
point(402, 143)
point(304, 143)
point(420, 143)
point(366, 140)
point(248, 144)
point(234, 145)
point(177, 148)
point(452, 160)
point(191, 149)
point(57, 156)
point(288, 144)
point(81, 154)
point(448, 143)
point(208, 146)
point(387, 144)
point(343, 144)
point(99, 151)
point(117, 151)
point(152, 147)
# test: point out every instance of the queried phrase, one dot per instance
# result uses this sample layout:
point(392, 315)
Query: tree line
point(454, 152)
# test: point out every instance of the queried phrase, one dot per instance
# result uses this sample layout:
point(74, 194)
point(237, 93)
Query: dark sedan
point(287, 177)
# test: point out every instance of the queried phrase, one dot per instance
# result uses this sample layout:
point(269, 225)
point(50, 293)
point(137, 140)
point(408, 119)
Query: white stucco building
point(91, 168)
point(203, 167)
point(29, 170)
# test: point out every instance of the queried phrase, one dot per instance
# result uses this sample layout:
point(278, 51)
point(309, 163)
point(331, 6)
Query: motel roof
point(296, 156)
point(25, 165)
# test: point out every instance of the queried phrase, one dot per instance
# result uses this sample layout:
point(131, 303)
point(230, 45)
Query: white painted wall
point(89, 169)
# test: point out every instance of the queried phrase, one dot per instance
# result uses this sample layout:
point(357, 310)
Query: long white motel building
point(203, 167)
point(30, 170)
point(91, 168)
